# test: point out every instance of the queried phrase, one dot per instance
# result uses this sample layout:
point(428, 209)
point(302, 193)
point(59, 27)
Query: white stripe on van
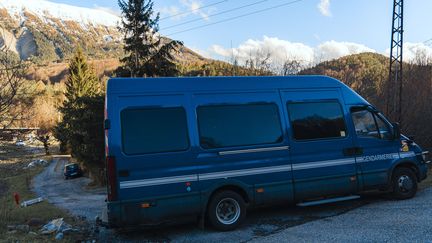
point(245, 172)
point(259, 170)
point(319, 164)
point(407, 154)
point(158, 181)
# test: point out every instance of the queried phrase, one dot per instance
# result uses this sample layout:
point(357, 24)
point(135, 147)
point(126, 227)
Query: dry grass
point(57, 72)
point(15, 179)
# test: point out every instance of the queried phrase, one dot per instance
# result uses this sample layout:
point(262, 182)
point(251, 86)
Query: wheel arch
point(405, 164)
point(243, 190)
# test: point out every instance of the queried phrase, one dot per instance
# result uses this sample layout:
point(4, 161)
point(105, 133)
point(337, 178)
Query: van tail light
point(112, 178)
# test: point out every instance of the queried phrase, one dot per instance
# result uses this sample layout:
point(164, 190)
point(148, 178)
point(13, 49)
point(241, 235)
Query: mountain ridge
point(44, 9)
point(45, 32)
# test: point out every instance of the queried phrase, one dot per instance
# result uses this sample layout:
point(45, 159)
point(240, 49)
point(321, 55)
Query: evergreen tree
point(147, 54)
point(81, 82)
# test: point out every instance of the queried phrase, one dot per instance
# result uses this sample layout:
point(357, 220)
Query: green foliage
point(87, 137)
point(82, 82)
point(147, 54)
point(45, 49)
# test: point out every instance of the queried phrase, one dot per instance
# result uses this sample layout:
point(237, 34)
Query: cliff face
point(48, 32)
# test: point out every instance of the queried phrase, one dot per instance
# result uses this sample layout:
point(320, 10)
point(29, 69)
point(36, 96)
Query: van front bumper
point(423, 170)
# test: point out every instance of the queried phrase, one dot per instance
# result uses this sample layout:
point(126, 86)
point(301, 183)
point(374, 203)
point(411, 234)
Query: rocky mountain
point(47, 31)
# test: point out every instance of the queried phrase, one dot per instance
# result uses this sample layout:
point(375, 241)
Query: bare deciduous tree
point(12, 87)
point(259, 62)
point(291, 67)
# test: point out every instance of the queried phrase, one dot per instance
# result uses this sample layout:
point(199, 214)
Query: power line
point(193, 10)
point(236, 17)
point(428, 42)
point(220, 13)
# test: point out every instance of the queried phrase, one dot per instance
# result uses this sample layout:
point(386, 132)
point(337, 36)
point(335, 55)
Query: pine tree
point(81, 82)
point(147, 54)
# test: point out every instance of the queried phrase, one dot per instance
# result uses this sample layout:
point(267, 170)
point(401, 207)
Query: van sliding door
point(321, 145)
point(242, 142)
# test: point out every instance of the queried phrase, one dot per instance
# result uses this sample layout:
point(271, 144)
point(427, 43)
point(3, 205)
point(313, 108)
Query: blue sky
point(306, 25)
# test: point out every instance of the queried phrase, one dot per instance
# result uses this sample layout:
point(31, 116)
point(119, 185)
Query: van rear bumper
point(102, 220)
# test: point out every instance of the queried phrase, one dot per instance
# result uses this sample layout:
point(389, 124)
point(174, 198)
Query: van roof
point(197, 84)
point(218, 83)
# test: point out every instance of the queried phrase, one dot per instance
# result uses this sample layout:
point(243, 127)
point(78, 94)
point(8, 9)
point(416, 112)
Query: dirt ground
point(16, 177)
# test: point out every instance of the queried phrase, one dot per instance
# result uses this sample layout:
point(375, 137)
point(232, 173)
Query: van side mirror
point(396, 130)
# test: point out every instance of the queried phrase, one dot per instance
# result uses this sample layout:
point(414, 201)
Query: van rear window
point(317, 120)
point(238, 125)
point(154, 130)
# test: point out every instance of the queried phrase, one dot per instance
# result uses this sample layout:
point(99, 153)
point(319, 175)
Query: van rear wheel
point(404, 183)
point(226, 210)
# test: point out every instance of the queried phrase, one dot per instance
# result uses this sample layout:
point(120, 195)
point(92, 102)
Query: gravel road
point(68, 194)
point(370, 219)
point(385, 221)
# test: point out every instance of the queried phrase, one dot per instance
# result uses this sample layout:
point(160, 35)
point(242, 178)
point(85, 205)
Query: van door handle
point(352, 151)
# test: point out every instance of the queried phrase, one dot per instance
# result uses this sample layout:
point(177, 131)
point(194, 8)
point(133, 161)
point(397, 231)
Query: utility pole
point(395, 83)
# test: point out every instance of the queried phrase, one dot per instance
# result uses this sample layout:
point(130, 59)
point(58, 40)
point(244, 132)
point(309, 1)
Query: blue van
point(213, 147)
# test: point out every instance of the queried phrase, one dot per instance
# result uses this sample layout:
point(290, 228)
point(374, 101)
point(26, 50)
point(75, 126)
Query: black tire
point(226, 210)
point(404, 183)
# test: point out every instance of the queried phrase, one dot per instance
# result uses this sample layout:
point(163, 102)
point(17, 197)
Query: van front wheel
point(404, 183)
point(226, 210)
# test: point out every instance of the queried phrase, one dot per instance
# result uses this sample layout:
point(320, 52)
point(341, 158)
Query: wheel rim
point(228, 211)
point(405, 183)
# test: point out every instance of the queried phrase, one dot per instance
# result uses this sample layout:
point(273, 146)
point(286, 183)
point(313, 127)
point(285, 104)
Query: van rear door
point(321, 149)
point(154, 158)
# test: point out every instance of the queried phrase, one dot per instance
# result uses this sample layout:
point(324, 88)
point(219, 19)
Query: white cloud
point(282, 50)
point(186, 8)
point(194, 6)
point(324, 7)
point(333, 49)
point(415, 52)
point(278, 50)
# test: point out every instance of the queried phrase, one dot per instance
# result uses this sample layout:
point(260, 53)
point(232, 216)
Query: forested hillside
point(367, 73)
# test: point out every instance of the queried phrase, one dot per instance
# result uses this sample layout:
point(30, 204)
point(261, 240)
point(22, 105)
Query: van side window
point(238, 125)
point(368, 124)
point(154, 130)
point(317, 120)
point(384, 130)
point(364, 123)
